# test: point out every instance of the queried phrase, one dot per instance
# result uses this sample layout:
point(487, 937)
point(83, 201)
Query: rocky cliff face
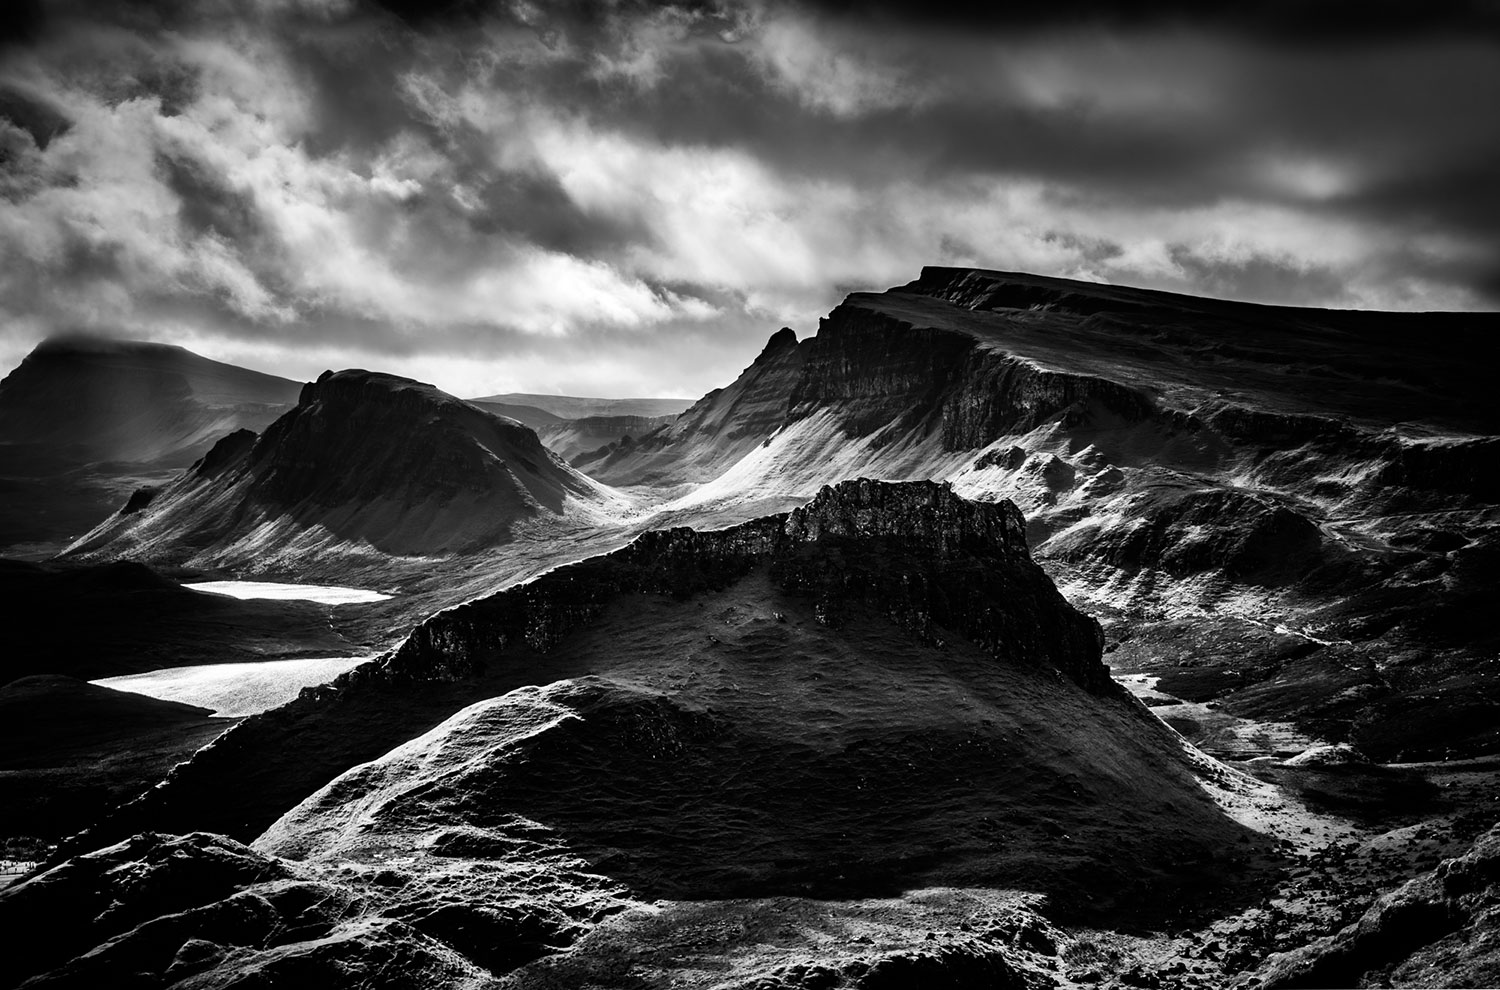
point(916, 552)
point(364, 461)
point(1324, 474)
point(875, 695)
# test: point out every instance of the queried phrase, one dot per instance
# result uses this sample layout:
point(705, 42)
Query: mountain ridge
point(364, 463)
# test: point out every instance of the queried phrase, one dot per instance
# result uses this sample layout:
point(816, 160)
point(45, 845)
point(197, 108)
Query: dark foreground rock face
point(1439, 930)
point(364, 461)
point(872, 722)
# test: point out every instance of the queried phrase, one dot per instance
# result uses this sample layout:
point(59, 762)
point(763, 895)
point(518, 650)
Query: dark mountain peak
point(87, 400)
point(358, 387)
point(369, 458)
point(93, 345)
point(357, 436)
point(229, 449)
point(780, 341)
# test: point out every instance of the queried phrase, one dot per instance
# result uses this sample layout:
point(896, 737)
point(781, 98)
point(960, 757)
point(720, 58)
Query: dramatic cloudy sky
point(614, 197)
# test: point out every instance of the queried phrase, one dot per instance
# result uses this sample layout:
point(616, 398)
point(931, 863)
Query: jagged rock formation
point(365, 463)
point(201, 910)
point(1440, 930)
point(1313, 482)
point(849, 712)
point(83, 420)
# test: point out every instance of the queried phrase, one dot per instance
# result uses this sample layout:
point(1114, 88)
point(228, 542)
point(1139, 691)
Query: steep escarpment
point(365, 463)
point(874, 709)
point(1313, 482)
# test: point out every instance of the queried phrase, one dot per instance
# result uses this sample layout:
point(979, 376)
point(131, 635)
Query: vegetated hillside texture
point(1245, 494)
point(366, 466)
point(84, 421)
point(854, 722)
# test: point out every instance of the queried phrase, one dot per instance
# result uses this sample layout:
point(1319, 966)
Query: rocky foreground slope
point(366, 466)
point(862, 744)
point(1247, 494)
point(1441, 929)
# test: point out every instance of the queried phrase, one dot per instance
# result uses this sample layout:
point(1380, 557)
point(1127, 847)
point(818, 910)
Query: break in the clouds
point(612, 197)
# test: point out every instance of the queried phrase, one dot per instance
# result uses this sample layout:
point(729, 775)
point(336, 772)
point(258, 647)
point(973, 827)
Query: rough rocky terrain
point(859, 738)
point(1292, 512)
point(794, 746)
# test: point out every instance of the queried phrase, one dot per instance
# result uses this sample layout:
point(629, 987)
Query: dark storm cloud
point(628, 196)
point(1320, 21)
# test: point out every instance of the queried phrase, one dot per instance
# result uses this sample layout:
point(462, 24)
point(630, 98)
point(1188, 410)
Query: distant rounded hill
point(92, 399)
point(365, 462)
point(86, 420)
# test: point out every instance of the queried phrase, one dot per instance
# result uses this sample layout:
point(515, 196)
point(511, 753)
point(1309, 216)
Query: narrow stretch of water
point(234, 689)
point(327, 594)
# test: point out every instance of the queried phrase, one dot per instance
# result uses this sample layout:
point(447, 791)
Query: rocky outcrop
point(875, 694)
point(881, 372)
point(1439, 930)
point(938, 566)
point(200, 910)
point(914, 551)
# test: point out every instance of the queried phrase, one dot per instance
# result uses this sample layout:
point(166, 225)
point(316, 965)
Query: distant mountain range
point(815, 682)
point(1323, 484)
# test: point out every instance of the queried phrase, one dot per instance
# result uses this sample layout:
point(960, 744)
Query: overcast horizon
point(607, 197)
